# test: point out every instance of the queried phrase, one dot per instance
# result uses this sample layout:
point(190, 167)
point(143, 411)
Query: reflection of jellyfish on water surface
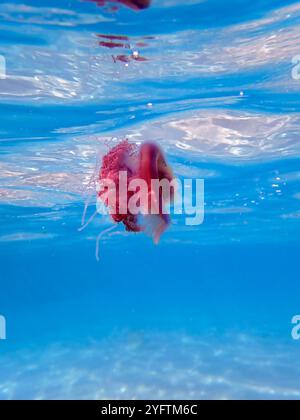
point(129, 182)
point(122, 41)
point(133, 4)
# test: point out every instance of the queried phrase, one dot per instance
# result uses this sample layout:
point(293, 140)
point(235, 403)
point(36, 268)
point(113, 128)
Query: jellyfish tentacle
point(86, 206)
point(93, 177)
point(84, 226)
point(99, 237)
point(93, 180)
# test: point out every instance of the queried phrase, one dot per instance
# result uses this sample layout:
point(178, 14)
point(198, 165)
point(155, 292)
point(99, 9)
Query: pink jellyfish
point(146, 163)
point(133, 4)
point(124, 165)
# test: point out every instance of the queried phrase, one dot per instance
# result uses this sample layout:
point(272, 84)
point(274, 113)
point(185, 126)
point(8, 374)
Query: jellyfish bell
point(154, 169)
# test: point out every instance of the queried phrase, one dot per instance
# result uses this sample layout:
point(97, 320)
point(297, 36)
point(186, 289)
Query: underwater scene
point(202, 303)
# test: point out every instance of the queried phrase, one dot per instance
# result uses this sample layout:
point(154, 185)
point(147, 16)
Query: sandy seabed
point(155, 366)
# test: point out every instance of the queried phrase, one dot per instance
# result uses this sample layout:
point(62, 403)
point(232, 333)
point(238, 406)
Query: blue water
point(207, 313)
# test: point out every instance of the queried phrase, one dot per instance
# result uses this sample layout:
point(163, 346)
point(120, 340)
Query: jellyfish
point(146, 163)
point(131, 173)
point(136, 4)
point(121, 42)
point(133, 4)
